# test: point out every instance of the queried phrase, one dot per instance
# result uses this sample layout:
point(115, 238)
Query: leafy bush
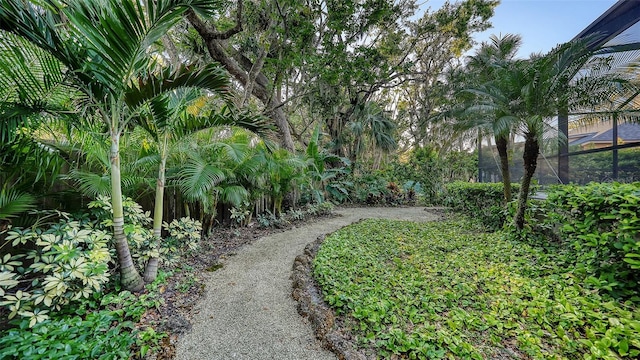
point(339, 190)
point(98, 327)
point(242, 214)
point(434, 170)
point(69, 262)
point(482, 201)
point(598, 228)
point(379, 188)
point(142, 243)
point(370, 189)
point(184, 237)
point(447, 290)
point(270, 219)
point(183, 234)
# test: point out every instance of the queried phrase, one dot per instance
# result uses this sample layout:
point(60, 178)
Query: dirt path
point(248, 312)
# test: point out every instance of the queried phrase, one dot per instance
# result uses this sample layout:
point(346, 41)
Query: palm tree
point(371, 128)
point(173, 118)
point(550, 87)
point(215, 166)
point(493, 111)
point(103, 50)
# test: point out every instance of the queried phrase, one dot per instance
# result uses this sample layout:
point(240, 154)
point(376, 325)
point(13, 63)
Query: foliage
point(483, 201)
point(110, 67)
point(99, 326)
point(597, 228)
point(69, 262)
point(376, 188)
point(371, 188)
point(242, 214)
point(448, 290)
point(433, 170)
point(269, 219)
point(139, 237)
point(325, 172)
point(183, 238)
point(13, 203)
point(183, 234)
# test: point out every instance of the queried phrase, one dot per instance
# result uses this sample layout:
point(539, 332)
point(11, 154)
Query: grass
point(449, 290)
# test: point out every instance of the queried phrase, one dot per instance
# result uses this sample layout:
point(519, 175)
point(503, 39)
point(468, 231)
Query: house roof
point(578, 139)
point(626, 132)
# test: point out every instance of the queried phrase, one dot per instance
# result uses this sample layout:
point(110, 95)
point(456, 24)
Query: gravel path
point(248, 312)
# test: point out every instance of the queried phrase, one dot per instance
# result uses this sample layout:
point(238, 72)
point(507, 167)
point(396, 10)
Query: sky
point(542, 23)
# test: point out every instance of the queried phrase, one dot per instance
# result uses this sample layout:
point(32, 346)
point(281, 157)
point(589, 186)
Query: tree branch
point(209, 33)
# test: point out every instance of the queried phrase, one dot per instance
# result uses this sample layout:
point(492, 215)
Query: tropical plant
point(284, 172)
point(493, 108)
point(551, 87)
point(12, 203)
point(69, 262)
point(110, 67)
point(216, 167)
point(174, 117)
point(318, 167)
point(369, 128)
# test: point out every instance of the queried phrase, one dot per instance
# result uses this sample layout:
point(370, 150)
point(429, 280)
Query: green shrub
point(141, 241)
point(183, 234)
point(481, 201)
point(598, 226)
point(71, 338)
point(183, 238)
point(379, 188)
point(53, 266)
point(98, 327)
point(370, 188)
point(69, 262)
point(433, 170)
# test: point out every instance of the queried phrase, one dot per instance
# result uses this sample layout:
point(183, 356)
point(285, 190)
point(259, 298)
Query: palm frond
point(154, 84)
point(233, 194)
point(197, 178)
point(14, 202)
point(90, 184)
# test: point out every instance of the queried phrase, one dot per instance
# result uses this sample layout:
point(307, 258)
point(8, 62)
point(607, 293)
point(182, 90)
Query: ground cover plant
point(450, 290)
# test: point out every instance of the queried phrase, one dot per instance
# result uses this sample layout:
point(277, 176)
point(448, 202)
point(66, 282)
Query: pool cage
point(595, 144)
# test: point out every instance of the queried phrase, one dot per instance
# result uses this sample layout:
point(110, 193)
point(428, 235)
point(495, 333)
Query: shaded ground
point(247, 311)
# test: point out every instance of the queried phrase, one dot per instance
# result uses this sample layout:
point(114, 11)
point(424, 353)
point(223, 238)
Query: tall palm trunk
point(129, 276)
point(530, 159)
point(151, 270)
point(502, 142)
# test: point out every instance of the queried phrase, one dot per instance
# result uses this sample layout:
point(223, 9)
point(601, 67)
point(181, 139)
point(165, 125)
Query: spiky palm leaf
point(14, 202)
point(198, 178)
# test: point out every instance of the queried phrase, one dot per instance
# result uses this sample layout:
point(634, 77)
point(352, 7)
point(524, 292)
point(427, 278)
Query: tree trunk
point(530, 159)
point(502, 143)
point(129, 276)
point(240, 67)
point(151, 271)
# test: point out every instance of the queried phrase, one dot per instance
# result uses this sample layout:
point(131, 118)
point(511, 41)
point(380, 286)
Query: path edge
point(310, 305)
